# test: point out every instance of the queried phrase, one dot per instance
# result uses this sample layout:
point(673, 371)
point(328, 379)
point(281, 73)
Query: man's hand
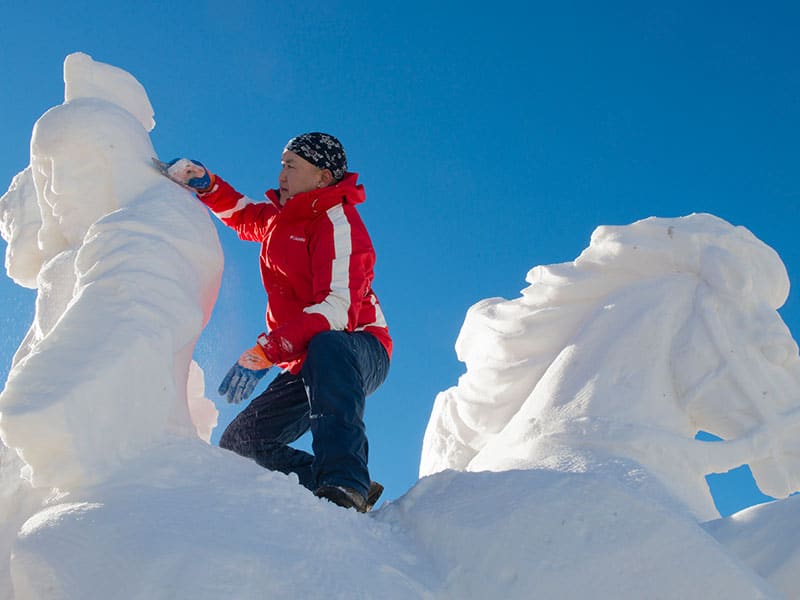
point(243, 377)
point(188, 173)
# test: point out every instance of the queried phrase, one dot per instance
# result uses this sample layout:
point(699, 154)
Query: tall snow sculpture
point(657, 331)
point(127, 268)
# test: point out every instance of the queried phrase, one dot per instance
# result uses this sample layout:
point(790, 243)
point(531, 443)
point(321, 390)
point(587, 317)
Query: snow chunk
point(85, 78)
point(20, 221)
point(201, 410)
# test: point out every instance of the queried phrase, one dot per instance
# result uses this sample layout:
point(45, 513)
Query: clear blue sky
point(490, 138)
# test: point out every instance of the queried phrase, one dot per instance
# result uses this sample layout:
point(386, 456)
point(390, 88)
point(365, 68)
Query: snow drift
point(579, 408)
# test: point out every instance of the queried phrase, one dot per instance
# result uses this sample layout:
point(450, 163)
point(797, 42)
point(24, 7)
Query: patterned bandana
point(322, 150)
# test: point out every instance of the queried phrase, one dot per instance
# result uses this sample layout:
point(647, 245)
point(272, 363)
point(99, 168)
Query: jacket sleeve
point(248, 218)
point(342, 261)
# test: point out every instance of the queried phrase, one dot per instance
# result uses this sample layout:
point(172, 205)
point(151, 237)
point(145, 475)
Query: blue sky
point(490, 139)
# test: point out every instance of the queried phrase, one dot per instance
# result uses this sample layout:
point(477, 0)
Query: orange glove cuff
point(254, 359)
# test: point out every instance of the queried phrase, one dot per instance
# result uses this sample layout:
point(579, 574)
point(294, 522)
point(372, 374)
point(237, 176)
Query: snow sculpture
point(657, 331)
point(127, 268)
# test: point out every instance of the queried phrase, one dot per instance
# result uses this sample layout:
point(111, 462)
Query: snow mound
point(765, 538)
point(548, 534)
point(186, 520)
point(192, 521)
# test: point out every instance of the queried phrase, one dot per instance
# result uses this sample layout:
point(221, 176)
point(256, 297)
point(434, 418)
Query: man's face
point(298, 175)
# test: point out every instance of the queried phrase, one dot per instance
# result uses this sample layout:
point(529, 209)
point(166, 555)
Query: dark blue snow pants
point(328, 397)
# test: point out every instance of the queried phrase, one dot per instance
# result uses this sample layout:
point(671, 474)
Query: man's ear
point(326, 178)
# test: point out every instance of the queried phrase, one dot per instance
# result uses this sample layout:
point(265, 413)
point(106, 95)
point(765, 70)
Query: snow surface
point(563, 464)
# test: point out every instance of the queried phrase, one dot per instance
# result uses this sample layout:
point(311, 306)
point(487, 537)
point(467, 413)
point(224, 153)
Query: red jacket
point(316, 263)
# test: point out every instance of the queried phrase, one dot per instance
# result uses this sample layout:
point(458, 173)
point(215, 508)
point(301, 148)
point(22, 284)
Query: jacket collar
point(347, 191)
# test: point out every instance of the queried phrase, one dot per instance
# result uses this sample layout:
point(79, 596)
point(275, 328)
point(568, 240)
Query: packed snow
point(563, 464)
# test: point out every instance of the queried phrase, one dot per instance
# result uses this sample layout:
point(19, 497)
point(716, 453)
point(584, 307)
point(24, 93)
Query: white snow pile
point(564, 464)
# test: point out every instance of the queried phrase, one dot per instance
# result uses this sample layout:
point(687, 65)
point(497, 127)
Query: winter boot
point(342, 496)
point(349, 498)
point(375, 491)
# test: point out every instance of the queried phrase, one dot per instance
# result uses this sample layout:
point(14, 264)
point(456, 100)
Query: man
point(326, 328)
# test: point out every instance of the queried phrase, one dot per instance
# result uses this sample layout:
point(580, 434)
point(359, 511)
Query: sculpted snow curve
point(628, 352)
